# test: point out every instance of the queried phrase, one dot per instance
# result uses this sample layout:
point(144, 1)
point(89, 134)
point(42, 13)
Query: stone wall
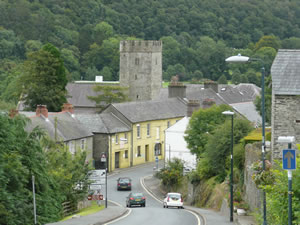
point(252, 194)
point(285, 121)
point(141, 68)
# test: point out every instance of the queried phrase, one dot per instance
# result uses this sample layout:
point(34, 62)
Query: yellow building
point(132, 133)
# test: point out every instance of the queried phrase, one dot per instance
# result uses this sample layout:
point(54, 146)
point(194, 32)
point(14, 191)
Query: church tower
point(141, 68)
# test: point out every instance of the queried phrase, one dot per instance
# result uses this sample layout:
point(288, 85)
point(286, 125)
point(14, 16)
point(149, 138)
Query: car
point(173, 199)
point(136, 199)
point(124, 183)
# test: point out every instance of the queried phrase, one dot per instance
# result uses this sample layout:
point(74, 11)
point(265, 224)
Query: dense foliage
point(277, 195)
point(172, 175)
point(44, 79)
point(201, 125)
point(197, 35)
point(21, 157)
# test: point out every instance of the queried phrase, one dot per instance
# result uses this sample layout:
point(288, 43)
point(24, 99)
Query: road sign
point(103, 157)
point(95, 197)
point(289, 159)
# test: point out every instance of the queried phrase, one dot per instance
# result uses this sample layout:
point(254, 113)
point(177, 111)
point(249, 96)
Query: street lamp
point(229, 113)
point(244, 59)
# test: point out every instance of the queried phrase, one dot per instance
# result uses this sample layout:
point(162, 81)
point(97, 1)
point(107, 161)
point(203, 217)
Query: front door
point(146, 153)
point(117, 160)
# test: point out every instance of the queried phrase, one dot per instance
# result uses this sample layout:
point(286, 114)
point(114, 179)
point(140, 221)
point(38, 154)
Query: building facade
point(285, 72)
point(141, 68)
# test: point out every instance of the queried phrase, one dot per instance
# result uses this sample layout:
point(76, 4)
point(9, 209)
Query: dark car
point(124, 183)
point(136, 199)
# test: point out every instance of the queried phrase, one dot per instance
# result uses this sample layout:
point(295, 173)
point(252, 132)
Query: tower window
point(136, 77)
point(137, 61)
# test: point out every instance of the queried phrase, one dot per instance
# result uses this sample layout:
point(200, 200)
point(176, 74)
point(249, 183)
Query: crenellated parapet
point(140, 46)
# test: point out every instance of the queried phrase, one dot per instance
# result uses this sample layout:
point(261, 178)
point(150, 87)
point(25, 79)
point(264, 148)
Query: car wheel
point(129, 205)
point(144, 205)
point(164, 206)
point(167, 206)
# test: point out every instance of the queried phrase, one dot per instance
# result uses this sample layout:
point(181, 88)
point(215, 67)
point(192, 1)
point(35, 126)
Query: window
point(126, 154)
point(135, 77)
point(117, 138)
point(139, 151)
point(72, 147)
point(157, 132)
point(82, 143)
point(125, 137)
point(169, 124)
point(157, 149)
point(138, 131)
point(148, 129)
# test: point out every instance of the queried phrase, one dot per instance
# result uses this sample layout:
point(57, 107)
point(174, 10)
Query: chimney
point(13, 113)
point(211, 84)
point(41, 110)
point(192, 106)
point(68, 107)
point(177, 90)
point(207, 103)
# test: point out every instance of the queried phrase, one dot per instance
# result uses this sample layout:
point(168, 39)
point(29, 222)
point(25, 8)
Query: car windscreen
point(175, 196)
point(137, 195)
point(124, 181)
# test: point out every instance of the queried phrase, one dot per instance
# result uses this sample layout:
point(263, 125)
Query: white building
point(176, 146)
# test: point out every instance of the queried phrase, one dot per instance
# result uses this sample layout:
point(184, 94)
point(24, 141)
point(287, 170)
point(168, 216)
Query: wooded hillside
point(197, 35)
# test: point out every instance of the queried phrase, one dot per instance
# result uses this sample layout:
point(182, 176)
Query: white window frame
point(157, 132)
point(71, 145)
point(138, 131)
point(83, 143)
point(148, 129)
point(117, 139)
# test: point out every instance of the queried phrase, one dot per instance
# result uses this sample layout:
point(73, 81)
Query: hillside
point(197, 35)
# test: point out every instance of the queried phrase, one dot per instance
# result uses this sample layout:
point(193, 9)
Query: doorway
point(117, 160)
point(146, 153)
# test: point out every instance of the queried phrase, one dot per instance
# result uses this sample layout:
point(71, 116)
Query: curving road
point(153, 213)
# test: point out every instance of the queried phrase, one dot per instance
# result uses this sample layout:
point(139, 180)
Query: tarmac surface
point(114, 211)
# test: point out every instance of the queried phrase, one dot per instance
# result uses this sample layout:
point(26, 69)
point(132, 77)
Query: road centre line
point(161, 201)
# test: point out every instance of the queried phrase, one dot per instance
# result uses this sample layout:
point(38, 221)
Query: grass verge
point(87, 211)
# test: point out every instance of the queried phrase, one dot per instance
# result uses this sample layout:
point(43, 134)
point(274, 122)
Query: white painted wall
point(176, 146)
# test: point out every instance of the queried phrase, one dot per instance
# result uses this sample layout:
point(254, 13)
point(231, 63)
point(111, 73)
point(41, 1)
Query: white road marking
point(161, 201)
point(120, 218)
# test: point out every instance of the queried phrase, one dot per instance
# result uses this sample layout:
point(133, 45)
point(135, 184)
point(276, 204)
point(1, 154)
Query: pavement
point(152, 184)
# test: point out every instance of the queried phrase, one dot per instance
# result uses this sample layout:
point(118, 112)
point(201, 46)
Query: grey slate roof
point(106, 123)
point(285, 72)
point(247, 109)
point(78, 92)
point(151, 110)
point(68, 127)
point(227, 94)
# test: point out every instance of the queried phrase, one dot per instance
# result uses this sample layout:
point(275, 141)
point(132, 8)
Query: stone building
point(141, 68)
point(285, 72)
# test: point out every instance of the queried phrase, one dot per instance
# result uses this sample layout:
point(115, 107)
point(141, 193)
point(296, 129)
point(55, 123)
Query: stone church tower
point(141, 68)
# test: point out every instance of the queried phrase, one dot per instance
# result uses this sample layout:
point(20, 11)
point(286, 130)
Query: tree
point(22, 156)
point(236, 77)
point(267, 41)
point(44, 79)
point(218, 149)
point(201, 124)
point(108, 94)
point(222, 80)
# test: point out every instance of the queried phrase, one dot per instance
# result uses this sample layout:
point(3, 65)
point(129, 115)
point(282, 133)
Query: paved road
point(153, 213)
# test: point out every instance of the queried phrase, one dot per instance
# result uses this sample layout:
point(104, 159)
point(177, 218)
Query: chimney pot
point(41, 109)
point(68, 107)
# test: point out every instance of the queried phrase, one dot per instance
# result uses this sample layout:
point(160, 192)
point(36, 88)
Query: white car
point(173, 199)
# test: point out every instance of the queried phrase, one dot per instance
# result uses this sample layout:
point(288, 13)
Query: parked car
point(173, 199)
point(136, 199)
point(124, 183)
